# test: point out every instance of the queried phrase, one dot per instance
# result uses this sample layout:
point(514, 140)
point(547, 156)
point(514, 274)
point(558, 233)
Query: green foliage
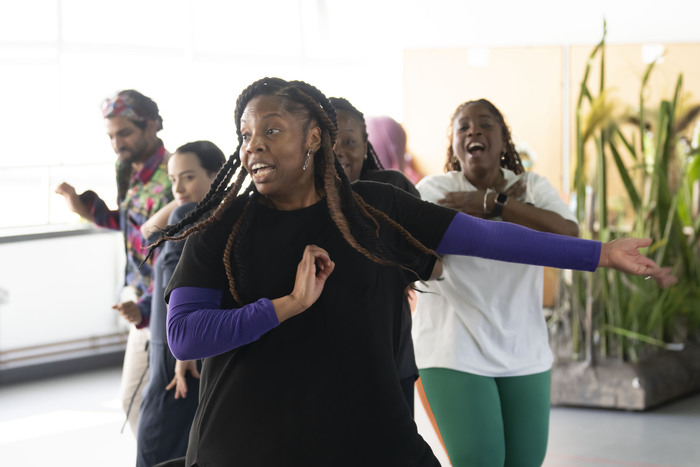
point(615, 315)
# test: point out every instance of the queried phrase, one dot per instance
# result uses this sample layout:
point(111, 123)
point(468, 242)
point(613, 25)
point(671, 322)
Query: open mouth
point(475, 147)
point(260, 169)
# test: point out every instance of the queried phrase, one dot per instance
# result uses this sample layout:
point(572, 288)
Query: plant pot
point(614, 384)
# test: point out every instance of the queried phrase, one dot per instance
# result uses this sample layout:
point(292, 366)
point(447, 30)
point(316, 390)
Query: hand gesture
point(73, 200)
point(516, 190)
point(313, 270)
point(472, 202)
point(179, 381)
point(623, 254)
point(130, 311)
point(469, 202)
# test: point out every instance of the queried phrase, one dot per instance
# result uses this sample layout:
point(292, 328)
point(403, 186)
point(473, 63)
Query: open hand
point(179, 381)
point(623, 254)
point(73, 201)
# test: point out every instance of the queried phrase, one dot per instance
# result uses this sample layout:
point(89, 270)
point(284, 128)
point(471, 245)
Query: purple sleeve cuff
point(198, 327)
point(504, 241)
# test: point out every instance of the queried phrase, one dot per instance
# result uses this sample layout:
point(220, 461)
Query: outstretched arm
point(503, 241)
point(74, 202)
point(159, 220)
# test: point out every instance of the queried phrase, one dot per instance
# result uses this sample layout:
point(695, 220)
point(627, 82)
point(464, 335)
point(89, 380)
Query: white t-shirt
point(485, 317)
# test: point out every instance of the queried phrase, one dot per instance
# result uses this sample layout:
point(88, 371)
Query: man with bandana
point(132, 121)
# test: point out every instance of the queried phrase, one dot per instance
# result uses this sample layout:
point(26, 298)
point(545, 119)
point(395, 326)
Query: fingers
point(65, 189)
point(452, 199)
point(129, 311)
point(625, 256)
point(171, 384)
point(664, 278)
point(322, 260)
point(312, 272)
point(318, 256)
point(181, 390)
point(517, 189)
point(324, 271)
point(641, 242)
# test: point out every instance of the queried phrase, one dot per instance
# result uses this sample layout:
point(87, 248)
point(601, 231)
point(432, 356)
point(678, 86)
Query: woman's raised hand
point(313, 270)
point(623, 254)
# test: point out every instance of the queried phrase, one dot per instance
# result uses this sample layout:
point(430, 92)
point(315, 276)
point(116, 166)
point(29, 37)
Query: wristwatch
point(501, 201)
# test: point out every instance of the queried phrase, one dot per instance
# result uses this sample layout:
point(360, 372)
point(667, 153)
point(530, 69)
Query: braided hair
point(372, 161)
point(510, 159)
point(357, 221)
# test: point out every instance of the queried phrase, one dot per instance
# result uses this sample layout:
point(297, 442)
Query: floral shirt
point(149, 190)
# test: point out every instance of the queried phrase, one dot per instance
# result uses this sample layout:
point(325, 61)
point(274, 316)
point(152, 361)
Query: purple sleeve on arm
point(514, 243)
point(198, 327)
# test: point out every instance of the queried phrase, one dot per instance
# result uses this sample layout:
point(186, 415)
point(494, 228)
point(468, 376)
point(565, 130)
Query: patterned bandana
point(121, 105)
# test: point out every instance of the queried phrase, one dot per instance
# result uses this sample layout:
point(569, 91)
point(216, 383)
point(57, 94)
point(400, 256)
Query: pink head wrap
point(389, 140)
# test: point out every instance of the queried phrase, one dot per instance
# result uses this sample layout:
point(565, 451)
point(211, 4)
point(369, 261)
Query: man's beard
point(132, 156)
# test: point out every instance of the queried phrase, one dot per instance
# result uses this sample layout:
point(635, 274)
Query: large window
point(60, 58)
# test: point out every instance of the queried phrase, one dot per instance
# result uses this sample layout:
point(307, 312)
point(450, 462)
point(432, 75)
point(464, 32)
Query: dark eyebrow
point(266, 116)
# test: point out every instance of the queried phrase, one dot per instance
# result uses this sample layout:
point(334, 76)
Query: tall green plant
point(615, 314)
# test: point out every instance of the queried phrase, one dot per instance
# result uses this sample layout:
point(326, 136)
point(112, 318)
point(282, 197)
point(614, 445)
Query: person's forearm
point(198, 327)
point(159, 220)
point(99, 213)
point(504, 241)
point(538, 219)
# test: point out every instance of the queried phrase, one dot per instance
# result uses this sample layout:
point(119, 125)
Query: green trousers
point(488, 421)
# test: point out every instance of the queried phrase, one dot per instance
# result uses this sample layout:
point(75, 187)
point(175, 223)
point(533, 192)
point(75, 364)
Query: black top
point(321, 389)
point(405, 355)
point(392, 177)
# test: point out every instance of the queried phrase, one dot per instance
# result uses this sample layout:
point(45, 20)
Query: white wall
point(59, 289)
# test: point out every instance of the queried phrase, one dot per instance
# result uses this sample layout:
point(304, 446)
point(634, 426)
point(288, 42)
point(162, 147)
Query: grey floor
point(76, 421)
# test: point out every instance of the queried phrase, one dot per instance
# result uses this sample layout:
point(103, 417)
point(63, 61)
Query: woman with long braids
point(288, 289)
point(361, 162)
point(356, 154)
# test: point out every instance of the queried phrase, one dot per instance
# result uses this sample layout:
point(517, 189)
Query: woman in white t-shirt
point(479, 333)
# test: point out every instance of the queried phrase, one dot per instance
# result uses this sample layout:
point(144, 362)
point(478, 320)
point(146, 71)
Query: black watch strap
point(501, 201)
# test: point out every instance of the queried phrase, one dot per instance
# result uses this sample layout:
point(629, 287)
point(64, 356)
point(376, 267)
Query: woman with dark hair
point(480, 335)
point(360, 162)
point(288, 289)
point(170, 396)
